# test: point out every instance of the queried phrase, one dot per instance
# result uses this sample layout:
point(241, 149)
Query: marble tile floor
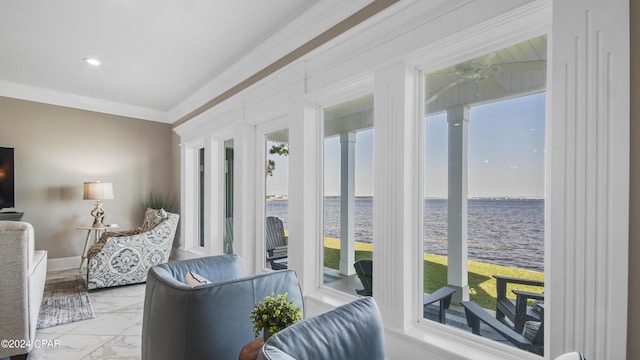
point(114, 333)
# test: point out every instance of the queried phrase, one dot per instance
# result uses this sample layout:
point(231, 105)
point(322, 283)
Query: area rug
point(65, 300)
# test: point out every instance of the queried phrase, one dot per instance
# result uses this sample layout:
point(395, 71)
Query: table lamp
point(96, 190)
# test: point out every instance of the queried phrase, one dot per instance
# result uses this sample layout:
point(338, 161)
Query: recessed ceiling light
point(92, 61)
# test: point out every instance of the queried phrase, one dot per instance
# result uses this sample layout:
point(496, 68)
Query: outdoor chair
point(518, 312)
point(275, 243)
point(364, 270)
point(443, 296)
point(531, 340)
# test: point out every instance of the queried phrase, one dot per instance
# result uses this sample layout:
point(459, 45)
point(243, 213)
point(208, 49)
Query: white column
point(304, 192)
point(212, 196)
point(244, 194)
point(347, 202)
point(188, 209)
point(397, 197)
point(587, 216)
point(457, 276)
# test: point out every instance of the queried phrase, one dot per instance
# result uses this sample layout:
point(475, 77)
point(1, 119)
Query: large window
point(484, 190)
point(276, 198)
point(348, 196)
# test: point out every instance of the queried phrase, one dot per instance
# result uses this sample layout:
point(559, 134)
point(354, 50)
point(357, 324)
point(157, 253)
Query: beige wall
point(58, 148)
point(633, 345)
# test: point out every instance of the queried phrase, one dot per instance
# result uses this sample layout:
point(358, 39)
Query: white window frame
point(474, 49)
point(472, 42)
point(361, 88)
point(214, 193)
point(262, 130)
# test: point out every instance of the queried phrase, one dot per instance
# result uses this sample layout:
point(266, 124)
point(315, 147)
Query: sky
point(277, 183)
point(505, 154)
point(505, 151)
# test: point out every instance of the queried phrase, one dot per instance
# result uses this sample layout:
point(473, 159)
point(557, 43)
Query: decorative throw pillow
point(530, 329)
point(194, 279)
point(152, 218)
point(536, 305)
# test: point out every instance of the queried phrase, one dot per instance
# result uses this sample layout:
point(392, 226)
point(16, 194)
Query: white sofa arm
point(24, 271)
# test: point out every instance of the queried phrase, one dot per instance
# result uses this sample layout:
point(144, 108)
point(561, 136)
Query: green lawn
point(482, 285)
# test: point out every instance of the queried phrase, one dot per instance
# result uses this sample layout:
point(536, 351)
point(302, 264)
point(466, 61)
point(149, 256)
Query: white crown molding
point(311, 23)
point(319, 18)
point(32, 93)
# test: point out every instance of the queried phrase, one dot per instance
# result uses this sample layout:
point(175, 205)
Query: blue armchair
point(209, 321)
point(352, 331)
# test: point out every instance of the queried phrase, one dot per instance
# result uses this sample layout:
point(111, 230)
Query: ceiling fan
point(481, 71)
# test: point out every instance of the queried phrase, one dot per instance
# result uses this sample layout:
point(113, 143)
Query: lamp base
point(98, 215)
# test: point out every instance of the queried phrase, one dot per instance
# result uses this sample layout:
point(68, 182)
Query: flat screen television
point(7, 188)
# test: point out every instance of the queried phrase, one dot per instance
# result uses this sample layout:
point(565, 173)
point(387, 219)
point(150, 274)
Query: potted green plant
point(273, 314)
point(159, 200)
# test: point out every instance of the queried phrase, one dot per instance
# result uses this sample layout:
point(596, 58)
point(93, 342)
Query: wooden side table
point(97, 231)
point(251, 350)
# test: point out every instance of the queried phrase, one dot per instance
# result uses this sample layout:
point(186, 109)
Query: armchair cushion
point(531, 329)
point(536, 305)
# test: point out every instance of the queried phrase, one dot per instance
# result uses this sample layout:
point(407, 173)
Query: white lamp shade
point(97, 190)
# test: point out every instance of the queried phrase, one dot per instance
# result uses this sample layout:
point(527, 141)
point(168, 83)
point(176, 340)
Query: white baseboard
point(66, 263)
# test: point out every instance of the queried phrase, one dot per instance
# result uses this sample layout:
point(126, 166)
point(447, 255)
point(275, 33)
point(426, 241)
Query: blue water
point(506, 232)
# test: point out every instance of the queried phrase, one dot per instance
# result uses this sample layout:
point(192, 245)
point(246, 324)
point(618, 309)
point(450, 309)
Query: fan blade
point(446, 72)
point(534, 65)
point(441, 91)
point(491, 86)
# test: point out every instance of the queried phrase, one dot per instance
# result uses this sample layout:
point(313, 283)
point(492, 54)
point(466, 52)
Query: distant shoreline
point(285, 197)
